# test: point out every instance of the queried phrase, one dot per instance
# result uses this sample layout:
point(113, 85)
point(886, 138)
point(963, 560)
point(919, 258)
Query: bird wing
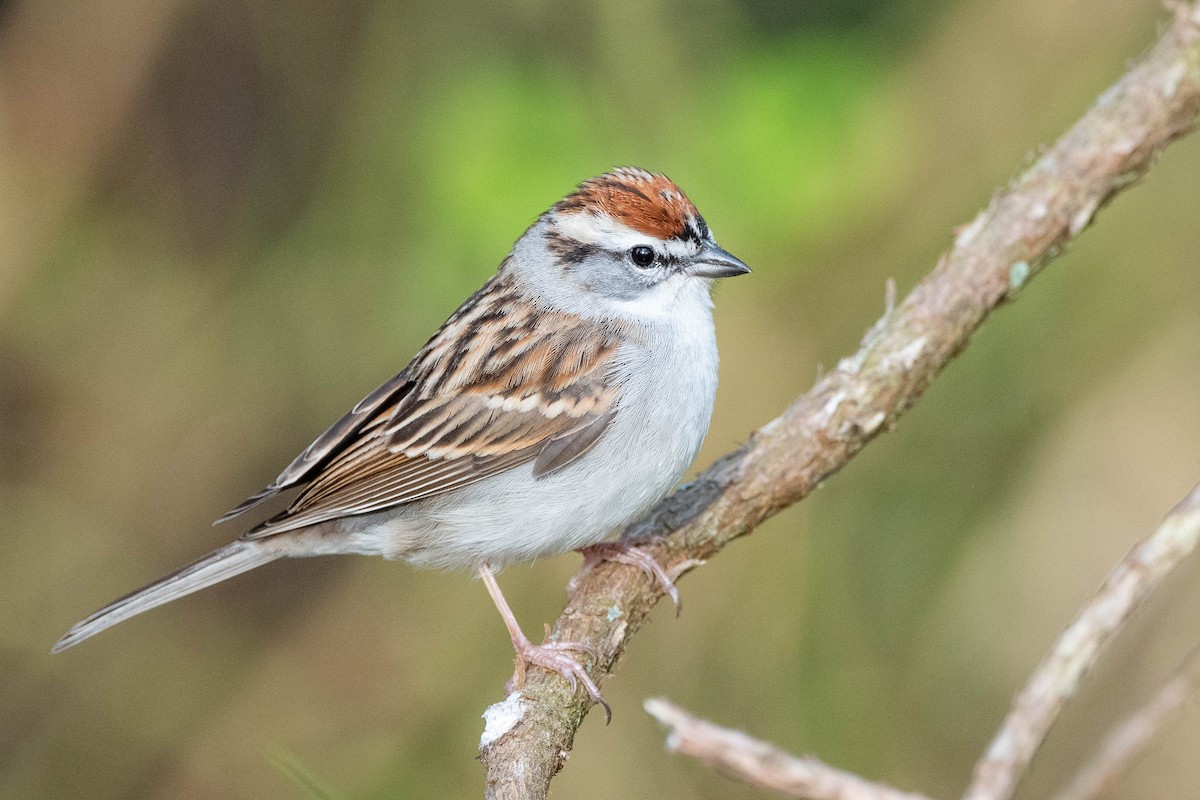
point(500, 384)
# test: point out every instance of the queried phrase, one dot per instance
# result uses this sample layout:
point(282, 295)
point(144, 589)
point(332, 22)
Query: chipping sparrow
point(556, 405)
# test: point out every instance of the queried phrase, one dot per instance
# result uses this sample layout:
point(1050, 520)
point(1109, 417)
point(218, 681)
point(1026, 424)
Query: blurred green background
point(223, 223)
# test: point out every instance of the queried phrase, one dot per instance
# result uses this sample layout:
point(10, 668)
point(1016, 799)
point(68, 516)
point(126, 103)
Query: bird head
point(626, 237)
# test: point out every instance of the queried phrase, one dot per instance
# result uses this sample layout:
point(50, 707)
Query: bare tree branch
point(1056, 679)
point(762, 764)
point(1034, 711)
point(1126, 741)
point(1155, 102)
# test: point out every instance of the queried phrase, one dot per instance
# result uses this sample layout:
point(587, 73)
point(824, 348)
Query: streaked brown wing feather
point(494, 388)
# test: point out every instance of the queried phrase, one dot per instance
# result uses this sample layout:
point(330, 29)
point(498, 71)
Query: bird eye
point(642, 256)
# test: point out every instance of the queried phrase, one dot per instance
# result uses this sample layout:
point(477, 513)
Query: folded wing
point(497, 386)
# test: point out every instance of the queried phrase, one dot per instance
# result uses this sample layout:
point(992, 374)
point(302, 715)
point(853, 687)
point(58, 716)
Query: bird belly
point(513, 517)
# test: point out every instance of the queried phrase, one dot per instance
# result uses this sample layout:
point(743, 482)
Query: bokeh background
point(222, 223)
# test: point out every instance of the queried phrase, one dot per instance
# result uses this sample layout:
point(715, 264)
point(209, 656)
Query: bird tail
point(232, 559)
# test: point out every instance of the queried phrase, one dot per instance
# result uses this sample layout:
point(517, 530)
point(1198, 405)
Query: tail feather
point(232, 559)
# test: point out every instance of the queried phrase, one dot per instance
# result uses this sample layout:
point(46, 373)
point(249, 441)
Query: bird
point(555, 406)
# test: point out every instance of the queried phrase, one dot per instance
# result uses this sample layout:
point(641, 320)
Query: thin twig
point(1056, 679)
point(1036, 708)
point(993, 258)
point(1126, 741)
point(761, 763)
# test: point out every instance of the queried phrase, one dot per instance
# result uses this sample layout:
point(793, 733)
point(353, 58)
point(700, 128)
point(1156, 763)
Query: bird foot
point(553, 656)
point(549, 655)
point(628, 552)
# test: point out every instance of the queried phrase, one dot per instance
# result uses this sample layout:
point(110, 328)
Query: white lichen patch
point(1084, 216)
point(852, 364)
point(618, 635)
point(907, 356)
point(1108, 96)
point(1172, 79)
point(966, 234)
point(500, 718)
point(873, 422)
point(831, 406)
point(1018, 273)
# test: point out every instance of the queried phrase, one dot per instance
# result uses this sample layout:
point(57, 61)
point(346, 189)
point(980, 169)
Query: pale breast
point(668, 386)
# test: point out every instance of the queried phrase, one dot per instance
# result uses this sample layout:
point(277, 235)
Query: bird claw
point(551, 656)
point(627, 552)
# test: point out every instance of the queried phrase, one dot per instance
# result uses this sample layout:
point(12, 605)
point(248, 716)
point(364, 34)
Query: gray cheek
point(615, 278)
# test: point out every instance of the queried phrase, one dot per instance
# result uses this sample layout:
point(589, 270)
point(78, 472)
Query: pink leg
point(625, 551)
point(549, 655)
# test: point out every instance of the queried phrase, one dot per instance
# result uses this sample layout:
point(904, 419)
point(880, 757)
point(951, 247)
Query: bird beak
point(713, 262)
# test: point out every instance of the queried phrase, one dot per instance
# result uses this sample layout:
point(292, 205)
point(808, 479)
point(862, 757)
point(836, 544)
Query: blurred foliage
point(223, 223)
